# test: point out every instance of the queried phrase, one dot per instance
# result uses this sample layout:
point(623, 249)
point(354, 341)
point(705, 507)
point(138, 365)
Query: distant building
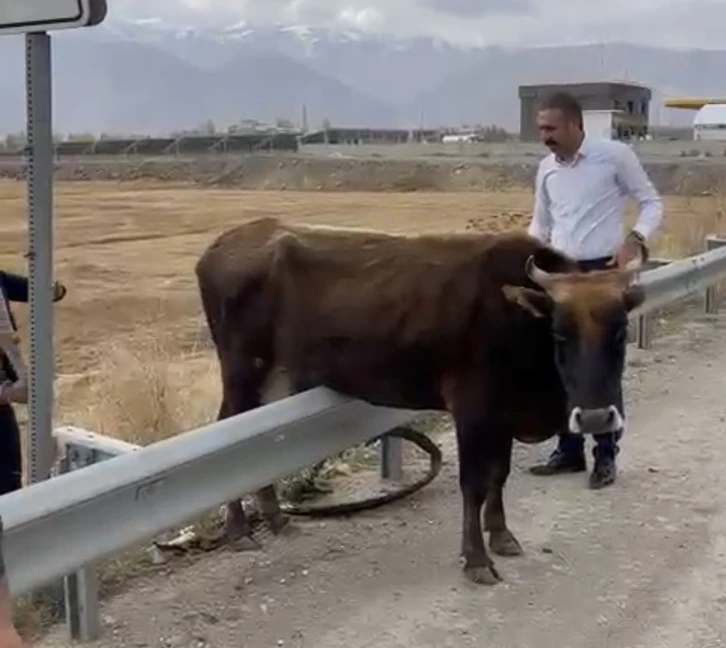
point(451, 138)
point(601, 123)
point(348, 136)
point(710, 123)
point(627, 103)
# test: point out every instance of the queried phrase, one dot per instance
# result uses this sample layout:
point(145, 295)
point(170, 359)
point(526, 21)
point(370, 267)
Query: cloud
point(478, 8)
point(465, 22)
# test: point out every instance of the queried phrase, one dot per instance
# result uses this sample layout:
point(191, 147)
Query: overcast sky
point(678, 23)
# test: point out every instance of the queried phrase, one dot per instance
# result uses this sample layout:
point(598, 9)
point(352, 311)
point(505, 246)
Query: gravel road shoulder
point(639, 565)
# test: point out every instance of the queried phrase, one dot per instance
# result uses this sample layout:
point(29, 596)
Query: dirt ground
point(132, 362)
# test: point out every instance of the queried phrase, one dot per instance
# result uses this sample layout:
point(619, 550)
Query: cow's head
point(589, 318)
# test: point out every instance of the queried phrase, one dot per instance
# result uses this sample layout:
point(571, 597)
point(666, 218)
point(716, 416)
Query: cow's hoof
point(243, 543)
point(503, 543)
point(239, 537)
point(281, 525)
point(482, 574)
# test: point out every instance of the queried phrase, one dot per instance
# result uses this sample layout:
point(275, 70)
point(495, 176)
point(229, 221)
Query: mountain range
point(125, 77)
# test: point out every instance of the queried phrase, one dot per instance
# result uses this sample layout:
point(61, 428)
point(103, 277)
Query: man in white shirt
point(580, 192)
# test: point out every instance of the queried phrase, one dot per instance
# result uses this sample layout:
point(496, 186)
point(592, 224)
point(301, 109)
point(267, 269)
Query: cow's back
point(389, 318)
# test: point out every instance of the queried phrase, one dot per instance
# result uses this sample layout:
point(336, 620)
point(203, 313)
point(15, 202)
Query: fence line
point(62, 526)
point(171, 146)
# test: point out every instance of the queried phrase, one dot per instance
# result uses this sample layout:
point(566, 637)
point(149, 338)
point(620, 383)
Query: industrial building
point(709, 124)
point(626, 104)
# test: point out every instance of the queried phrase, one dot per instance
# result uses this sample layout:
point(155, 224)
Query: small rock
point(157, 556)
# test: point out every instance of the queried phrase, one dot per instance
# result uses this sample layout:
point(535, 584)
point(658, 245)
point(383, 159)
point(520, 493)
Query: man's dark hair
point(564, 102)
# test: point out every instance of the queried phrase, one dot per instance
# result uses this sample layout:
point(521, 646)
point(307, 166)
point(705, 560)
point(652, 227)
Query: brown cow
point(498, 329)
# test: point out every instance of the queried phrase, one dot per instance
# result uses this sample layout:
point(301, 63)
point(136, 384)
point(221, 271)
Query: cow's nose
point(595, 421)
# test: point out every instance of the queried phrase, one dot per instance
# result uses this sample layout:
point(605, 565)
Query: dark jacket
point(14, 288)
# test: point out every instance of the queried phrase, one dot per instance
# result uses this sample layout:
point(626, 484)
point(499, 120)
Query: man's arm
point(634, 180)
point(16, 286)
point(541, 225)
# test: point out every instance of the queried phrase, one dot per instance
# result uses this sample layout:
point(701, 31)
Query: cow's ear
point(633, 297)
point(538, 303)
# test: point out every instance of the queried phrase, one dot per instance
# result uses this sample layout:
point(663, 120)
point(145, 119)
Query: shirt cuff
point(644, 231)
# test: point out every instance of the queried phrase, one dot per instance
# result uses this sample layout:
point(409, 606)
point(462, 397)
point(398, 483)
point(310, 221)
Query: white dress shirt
point(579, 204)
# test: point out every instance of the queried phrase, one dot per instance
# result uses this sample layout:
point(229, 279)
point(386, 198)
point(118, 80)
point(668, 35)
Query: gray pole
point(392, 458)
point(40, 252)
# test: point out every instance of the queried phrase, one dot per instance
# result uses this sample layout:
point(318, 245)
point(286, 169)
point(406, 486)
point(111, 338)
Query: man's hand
point(59, 291)
point(9, 637)
point(631, 249)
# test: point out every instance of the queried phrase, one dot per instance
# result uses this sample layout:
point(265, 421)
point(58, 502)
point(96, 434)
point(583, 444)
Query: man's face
point(557, 132)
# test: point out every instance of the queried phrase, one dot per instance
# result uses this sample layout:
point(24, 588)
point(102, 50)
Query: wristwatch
point(637, 238)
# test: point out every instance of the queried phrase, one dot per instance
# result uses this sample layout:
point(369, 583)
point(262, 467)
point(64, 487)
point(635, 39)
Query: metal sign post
point(40, 253)
point(35, 18)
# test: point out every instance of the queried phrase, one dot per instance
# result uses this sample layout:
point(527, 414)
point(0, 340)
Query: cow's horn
point(536, 274)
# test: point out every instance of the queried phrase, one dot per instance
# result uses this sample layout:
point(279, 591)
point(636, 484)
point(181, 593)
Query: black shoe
point(559, 463)
point(603, 474)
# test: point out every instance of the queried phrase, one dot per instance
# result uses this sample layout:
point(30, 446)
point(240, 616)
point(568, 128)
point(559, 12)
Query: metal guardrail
point(668, 281)
point(100, 509)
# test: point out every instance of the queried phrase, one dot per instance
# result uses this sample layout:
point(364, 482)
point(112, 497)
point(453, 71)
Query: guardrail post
point(644, 324)
point(81, 589)
point(644, 331)
point(713, 242)
point(392, 458)
point(83, 616)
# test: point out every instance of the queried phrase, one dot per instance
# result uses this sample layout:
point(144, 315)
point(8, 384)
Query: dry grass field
point(129, 363)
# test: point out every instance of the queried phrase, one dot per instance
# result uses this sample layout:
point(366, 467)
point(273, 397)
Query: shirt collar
point(582, 152)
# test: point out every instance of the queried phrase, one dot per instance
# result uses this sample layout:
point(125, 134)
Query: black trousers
point(12, 288)
point(11, 462)
point(606, 445)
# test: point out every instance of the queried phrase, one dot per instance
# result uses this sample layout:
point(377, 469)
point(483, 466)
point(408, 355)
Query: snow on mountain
point(377, 65)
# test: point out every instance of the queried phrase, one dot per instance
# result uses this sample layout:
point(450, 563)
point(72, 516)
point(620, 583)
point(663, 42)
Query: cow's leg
point(270, 509)
point(474, 481)
point(243, 374)
point(267, 497)
point(238, 530)
point(501, 539)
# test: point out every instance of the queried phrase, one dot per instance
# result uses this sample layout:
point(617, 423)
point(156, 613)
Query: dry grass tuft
point(685, 233)
point(148, 391)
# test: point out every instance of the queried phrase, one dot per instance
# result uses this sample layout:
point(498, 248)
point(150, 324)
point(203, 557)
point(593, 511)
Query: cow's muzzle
point(595, 421)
